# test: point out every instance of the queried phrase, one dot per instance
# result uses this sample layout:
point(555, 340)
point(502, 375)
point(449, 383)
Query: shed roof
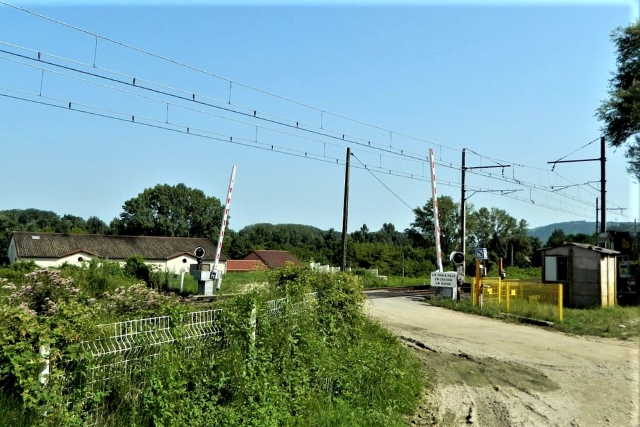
point(586, 246)
point(57, 245)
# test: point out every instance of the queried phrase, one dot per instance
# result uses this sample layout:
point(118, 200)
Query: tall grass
point(317, 363)
point(616, 322)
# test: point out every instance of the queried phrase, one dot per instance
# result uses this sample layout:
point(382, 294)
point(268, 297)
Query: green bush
point(135, 267)
point(306, 362)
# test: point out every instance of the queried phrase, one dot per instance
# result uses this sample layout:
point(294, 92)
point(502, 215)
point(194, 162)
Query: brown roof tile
point(274, 259)
point(56, 245)
point(245, 265)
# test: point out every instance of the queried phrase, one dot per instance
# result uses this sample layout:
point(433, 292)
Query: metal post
point(476, 285)
point(463, 207)
point(560, 304)
point(603, 183)
point(500, 283)
point(345, 212)
point(597, 228)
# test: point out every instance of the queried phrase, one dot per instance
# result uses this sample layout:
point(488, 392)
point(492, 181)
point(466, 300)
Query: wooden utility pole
point(345, 212)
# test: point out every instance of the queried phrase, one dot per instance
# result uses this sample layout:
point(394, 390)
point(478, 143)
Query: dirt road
point(490, 373)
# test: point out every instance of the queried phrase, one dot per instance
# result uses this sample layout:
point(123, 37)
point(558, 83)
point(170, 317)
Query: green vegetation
point(517, 273)
point(312, 362)
point(603, 322)
point(620, 112)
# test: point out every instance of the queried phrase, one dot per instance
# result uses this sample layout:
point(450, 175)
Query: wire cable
point(380, 181)
point(575, 151)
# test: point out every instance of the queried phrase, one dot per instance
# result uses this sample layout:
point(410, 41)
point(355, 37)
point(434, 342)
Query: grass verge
point(614, 322)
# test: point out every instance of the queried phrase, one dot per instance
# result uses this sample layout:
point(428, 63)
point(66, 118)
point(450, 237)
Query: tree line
point(180, 211)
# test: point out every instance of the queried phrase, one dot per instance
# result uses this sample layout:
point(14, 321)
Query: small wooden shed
point(587, 272)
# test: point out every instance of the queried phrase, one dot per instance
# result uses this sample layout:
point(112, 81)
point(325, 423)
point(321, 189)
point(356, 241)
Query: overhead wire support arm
point(562, 187)
point(573, 161)
point(485, 167)
point(603, 181)
point(502, 192)
point(463, 209)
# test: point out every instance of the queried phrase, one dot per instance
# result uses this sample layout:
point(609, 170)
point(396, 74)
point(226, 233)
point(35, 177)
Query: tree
point(172, 211)
point(362, 235)
point(96, 226)
point(620, 112)
point(497, 231)
point(71, 224)
point(448, 218)
point(557, 238)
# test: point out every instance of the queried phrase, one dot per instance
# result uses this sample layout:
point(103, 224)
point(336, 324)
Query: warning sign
point(445, 279)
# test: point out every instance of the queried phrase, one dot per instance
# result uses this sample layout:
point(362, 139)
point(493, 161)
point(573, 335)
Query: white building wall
point(175, 265)
point(180, 264)
point(57, 262)
point(11, 253)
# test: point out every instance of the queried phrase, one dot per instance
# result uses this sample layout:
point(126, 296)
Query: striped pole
point(436, 222)
point(222, 227)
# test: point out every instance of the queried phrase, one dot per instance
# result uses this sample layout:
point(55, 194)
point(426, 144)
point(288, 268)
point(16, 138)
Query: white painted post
point(436, 222)
point(214, 270)
point(182, 282)
point(43, 375)
point(252, 325)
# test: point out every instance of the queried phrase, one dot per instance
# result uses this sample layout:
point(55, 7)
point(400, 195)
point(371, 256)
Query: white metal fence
point(121, 348)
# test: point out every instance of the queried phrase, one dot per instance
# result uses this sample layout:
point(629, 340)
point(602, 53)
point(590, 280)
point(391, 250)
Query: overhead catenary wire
point(275, 149)
point(196, 110)
point(451, 166)
point(254, 114)
point(578, 149)
point(306, 153)
point(133, 84)
point(321, 111)
point(232, 82)
point(363, 142)
point(380, 181)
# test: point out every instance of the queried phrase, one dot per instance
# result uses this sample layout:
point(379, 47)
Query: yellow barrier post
point(560, 314)
point(476, 285)
point(508, 296)
point(500, 283)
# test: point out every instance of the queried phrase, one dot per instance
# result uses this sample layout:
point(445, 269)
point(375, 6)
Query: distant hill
point(576, 227)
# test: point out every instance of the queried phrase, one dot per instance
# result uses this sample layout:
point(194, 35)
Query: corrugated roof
point(56, 245)
point(275, 259)
point(594, 248)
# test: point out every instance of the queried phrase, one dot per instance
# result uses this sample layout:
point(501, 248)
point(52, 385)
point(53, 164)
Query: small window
point(556, 268)
point(563, 268)
point(80, 259)
point(184, 260)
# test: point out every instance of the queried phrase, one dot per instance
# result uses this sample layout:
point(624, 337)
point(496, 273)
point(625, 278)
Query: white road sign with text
point(445, 279)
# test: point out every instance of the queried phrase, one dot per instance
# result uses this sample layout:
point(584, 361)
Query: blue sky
point(514, 84)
